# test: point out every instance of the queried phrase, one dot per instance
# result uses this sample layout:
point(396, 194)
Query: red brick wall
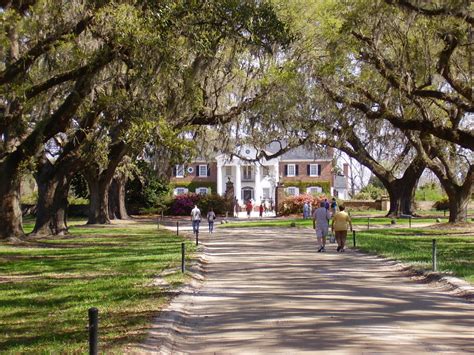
point(326, 174)
point(193, 177)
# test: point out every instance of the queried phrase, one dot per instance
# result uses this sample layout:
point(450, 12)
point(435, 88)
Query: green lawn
point(47, 287)
point(359, 222)
point(455, 250)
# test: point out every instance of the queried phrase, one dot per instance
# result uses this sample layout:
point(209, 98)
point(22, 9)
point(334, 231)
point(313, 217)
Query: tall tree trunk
point(402, 191)
point(99, 184)
point(47, 183)
point(459, 196)
point(99, 198)
point(117, 207)
point(59, 217)
point(10, 206)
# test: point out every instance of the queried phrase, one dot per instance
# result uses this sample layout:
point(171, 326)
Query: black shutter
point(174, 171)
point(308, 170)
point(286, 170)
point(208, 170)
point(197, 170)
point(319, 169)
point(296, 169)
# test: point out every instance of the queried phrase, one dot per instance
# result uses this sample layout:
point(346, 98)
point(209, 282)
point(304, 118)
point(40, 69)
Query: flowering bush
point(182, 205)
point(294, 204)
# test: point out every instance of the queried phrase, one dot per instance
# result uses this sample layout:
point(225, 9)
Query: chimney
point(345, 169)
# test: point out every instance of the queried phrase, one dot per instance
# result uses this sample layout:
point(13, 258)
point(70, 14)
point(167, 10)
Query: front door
point(247, 194)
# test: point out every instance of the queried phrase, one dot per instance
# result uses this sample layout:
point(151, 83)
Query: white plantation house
point(299, 170)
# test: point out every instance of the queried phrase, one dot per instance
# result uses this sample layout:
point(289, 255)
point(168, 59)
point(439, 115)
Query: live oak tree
point(56, 55)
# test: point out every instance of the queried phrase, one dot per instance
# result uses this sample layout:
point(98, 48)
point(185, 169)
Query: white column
point(277, 171)
point(238, 182)
point(276, 168)
point(258, 189)
point(219, 180)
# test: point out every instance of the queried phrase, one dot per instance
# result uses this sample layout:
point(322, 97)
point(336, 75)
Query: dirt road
point(269, 292)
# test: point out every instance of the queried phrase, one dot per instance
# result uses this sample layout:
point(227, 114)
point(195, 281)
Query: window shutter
point(319, 169)
point(286, 169)
point(174, 171)
point(296, 169)
point(208, 170)
point(197, 170)
point(308, 170)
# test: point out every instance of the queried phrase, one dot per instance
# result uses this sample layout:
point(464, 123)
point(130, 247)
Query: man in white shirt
point(196, 218)
point(321, 217)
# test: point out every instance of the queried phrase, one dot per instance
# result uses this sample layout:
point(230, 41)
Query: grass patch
point(46, 288)
point(455, 251)
point(308, 223)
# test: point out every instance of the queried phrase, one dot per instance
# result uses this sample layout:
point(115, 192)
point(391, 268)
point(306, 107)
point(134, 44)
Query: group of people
point(341, 221)
point(196, 219)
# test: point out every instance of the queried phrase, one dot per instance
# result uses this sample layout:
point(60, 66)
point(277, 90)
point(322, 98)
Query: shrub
point(370, 192)
point(441, 205)
point(294, 204)
point(218, 203)
point(182, 205)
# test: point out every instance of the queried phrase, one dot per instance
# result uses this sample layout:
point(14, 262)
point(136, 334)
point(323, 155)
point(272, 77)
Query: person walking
point(211, 216)
point(306, 210)
point(340, 221)
point(321, 218)
point(333, 206)
point(249, 208)
point(326, 203)
point(260, 210)
point(196, 219)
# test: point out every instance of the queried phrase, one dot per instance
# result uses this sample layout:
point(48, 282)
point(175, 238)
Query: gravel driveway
point(267, 291)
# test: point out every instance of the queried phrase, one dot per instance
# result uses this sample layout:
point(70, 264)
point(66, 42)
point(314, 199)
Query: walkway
point(269, 292)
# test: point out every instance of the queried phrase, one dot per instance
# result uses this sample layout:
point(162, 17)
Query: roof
point(300, 152)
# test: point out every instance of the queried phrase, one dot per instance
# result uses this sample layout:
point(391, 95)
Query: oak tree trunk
point(117, 207)
point(402, 194)
point(459, 197)
point(10, 206)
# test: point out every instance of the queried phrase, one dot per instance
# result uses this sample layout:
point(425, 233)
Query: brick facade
point(303, 176)
point(193, 177)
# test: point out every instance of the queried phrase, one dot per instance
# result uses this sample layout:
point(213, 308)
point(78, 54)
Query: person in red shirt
point(249, 208)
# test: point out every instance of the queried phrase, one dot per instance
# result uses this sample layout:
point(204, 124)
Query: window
point(247, 172)
point(314, 170)
point(201, 190)
point(180, 191)
point(292, 191)
point(179, 171)
point(228, 171)
point(314, 190)
point(266, 171)
point(190, 170)
point(291, 170)
point(202, 170)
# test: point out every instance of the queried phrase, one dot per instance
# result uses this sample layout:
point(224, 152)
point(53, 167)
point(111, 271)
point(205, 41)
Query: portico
point(252, 181)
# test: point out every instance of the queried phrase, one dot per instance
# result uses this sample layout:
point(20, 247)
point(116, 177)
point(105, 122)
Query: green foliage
point(218, 203)
point(370, 192)
point(147, 191)
point(79, 186)
point(429, 192)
